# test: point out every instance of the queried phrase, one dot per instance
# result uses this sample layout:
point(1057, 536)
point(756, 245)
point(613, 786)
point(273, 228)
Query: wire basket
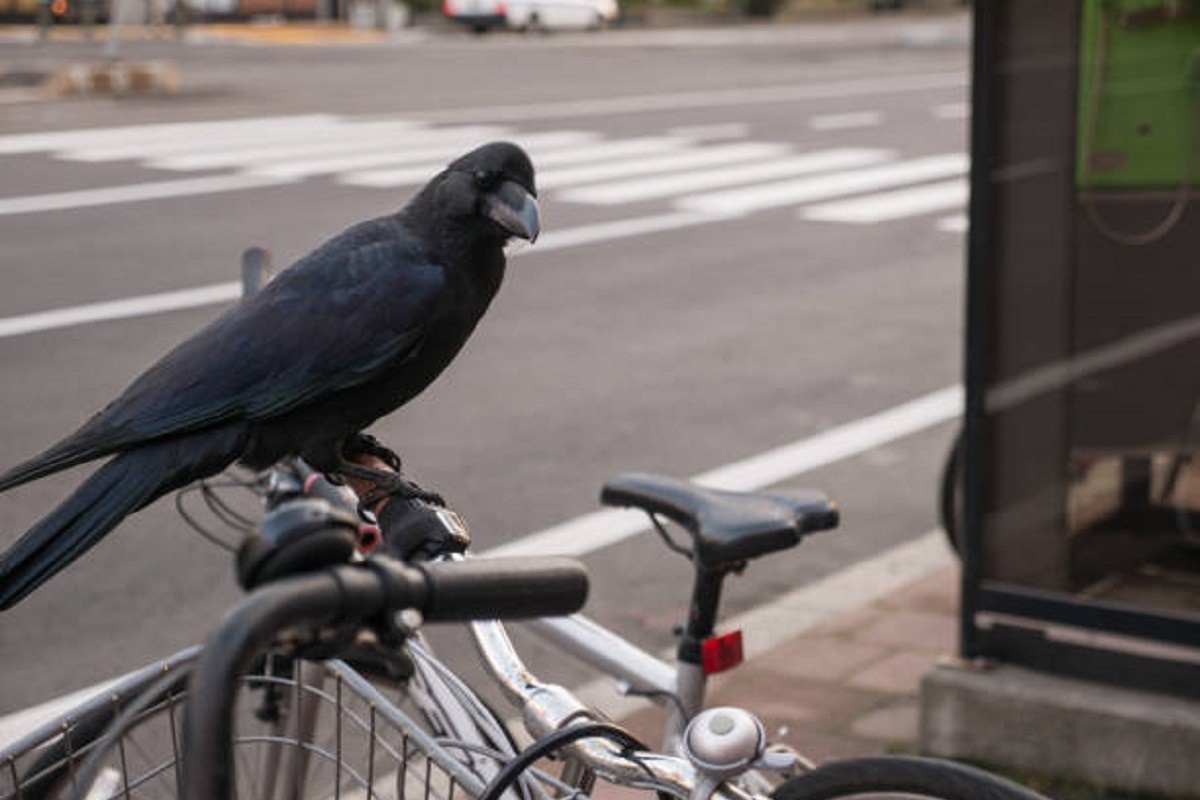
point(302, 730)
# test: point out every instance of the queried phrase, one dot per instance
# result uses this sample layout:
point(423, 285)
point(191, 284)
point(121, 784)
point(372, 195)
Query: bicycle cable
point(555, 741)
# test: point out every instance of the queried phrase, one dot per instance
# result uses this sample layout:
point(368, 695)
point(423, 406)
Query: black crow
point(345, 335)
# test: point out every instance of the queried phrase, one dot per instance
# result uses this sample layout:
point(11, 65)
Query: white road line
point(886, 206)
point(155, 190)
point(422, 163)
point(121, 309)
point(270, 149)
point(720, 130)
point(436, 149)
point(824, 187)
point(53, 140)
point(838, 122)
point(284, 132)
point(952, 111)
point(650, 188)
point(718, 98)
point(953, 224)
point(216, 294)
point(691, 159)
point(402, 144)
point(599, 529)
point(618, 229)
point(622, 148)
point(852, 87)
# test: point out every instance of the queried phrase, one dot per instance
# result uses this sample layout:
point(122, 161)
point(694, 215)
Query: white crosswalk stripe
point(437, 148)
point(956, 223)
point(61, 140)
point(289, 145)
point(711, 172)
point(823, 187)
point(689, 160)
point(545, 157)
point(317, 128)
point(672, 185)
point(891, 205)
point(839, 122)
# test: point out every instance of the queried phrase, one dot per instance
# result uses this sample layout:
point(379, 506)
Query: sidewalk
point(849, 686)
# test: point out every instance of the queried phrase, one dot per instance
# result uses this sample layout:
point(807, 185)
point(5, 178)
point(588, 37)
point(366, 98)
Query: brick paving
point(848, 687)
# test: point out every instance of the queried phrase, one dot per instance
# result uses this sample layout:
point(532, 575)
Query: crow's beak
point(514, 209)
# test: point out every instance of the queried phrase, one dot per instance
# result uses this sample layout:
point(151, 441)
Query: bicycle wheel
point(901, 775)
point(950, 495)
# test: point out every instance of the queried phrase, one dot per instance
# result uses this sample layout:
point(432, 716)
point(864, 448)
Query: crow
point(345, 335)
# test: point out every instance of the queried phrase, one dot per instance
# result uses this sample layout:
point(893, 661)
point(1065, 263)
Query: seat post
point(702, 613)
point(690, 678)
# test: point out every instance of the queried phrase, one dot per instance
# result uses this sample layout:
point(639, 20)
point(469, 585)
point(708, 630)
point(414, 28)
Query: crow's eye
point(485, 179)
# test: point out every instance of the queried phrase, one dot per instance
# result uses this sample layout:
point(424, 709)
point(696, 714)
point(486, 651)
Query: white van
point(526, 15)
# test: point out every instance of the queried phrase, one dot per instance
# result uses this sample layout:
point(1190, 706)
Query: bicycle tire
point(950, 495)
point(901, 775)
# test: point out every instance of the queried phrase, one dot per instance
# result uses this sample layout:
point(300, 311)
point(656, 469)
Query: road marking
point(723, 130)
point(641, 189)
point(838, 122)
point(892, 205)
point(824, 187)
point(718, 98)
point(952, 111)
point(390, 139)
point(435, 151)
point(228, 292)
point(154, 190)
point(692, 159)
point(381, 178)
point(600, 529)
point(189, 140)
point(956, 223)
point(120, 309)
point(619, 229)
point(151, 135)
point(53, 140)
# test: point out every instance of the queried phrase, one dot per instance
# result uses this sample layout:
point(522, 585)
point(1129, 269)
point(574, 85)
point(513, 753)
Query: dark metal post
point(978, 237)
point(256, 269)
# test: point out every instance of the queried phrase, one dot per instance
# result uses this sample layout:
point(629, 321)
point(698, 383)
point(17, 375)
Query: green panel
point(1139, 94)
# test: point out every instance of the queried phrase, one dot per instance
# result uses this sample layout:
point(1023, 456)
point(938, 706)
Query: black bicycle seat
point(727, 527)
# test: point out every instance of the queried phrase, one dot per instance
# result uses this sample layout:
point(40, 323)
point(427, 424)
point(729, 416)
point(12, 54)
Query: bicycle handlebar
point(450, 591)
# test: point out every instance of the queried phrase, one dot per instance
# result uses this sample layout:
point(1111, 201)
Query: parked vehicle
point(532, 15)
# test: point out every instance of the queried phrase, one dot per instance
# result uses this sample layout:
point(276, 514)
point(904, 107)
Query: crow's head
point(490, 193)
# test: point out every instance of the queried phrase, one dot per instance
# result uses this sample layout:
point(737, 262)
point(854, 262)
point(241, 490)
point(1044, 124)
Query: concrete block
point(1109, 736)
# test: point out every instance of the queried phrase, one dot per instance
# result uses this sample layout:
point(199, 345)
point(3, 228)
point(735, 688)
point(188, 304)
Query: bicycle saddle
point(727, 527)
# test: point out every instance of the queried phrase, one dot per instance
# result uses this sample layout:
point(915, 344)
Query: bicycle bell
point(724, 741)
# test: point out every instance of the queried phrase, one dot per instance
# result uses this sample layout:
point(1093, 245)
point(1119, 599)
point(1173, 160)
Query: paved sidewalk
point(849, 686)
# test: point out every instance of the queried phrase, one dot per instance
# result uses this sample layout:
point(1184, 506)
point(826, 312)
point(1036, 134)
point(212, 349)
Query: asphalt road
point(715, 317)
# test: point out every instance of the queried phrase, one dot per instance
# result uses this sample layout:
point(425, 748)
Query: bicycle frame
point(639, 671)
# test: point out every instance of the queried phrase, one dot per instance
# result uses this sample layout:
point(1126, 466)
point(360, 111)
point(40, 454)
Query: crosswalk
point(692, 170)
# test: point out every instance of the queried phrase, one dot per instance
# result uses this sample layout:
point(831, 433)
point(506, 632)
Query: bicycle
point(434, 735)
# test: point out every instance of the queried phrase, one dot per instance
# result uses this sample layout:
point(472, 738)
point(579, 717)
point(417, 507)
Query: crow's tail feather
point(62, 456)
point(127, 483)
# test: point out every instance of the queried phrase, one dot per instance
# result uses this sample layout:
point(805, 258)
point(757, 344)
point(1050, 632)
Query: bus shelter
point(1082, 431)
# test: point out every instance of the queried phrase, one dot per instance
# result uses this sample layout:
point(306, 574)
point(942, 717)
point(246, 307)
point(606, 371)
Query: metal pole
point(256, 268)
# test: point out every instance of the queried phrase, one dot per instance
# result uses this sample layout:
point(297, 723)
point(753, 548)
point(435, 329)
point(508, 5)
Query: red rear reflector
point(719, 653)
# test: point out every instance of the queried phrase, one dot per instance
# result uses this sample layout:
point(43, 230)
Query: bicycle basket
point(303, 729)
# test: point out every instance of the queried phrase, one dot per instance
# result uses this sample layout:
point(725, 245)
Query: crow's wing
point(330, 322)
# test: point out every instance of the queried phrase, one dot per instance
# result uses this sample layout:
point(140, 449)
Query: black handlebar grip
point(508, 588)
